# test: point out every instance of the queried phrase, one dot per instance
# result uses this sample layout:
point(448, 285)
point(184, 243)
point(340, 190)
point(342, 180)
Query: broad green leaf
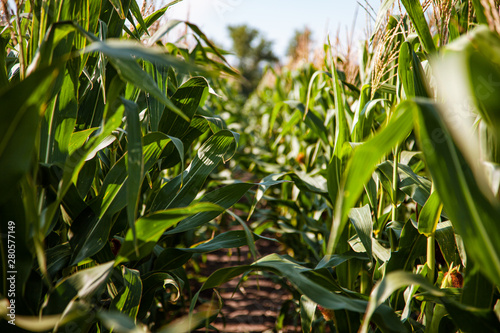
point(472, 211)
point(342, 131)
point(171, 258)
point(378, 251)
point(227, 240)
point(155, 107)
point(288, 127)
point(445, 236)
point(416, 13)
point(480, 14)
point(411, 72)
point(413, 185)
point(412, 245)
point(337, 259)
point(128, 50)
point(309, 88)
point(120, 54)
point(136, 11)
point(150, 228)
point(405, 72)
point(307, 311)
point(58, 124)
point(187, 99)
point(361, 219)
point(363, 163)
point(79, 138)
point(135, 162)
point(429, 216)
point(91, 229)
point(56, 45)
point(225, 197)
point(417, 187)
point(117, 4)
point(220, 147)
point(74, 163)
point(58, 258)
point(388, 285)
point(468, 319)
point(129, 297)
point(22, 105)
point(478, 291)
point(363, 120)
point(315, 124)
point(82, 284)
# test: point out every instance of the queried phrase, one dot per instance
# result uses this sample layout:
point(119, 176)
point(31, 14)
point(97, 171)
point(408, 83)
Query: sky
point(276, 19)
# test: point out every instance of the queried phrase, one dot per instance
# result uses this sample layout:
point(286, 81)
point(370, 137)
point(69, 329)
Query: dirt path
point(254, 305)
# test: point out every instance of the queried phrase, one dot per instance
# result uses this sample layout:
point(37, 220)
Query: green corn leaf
point(59, 123)
point(22, 105)
point(187, 99)
point(478, 291)
point(172, 258)
point(136, 11)
point(412, 246)
point(225, 197)
point(417, 187)
point(218, 148)
point(135, 163)
point(479, 9)
point(361, 219)
point(248, 234)
point(56, 45)
point(155, 107)
point(429, 216)
point(83, 285)
point(91, 229)
point(416, 13)
point(405, 72)
point(118, 5)
point(120, 54)
point(471, 210)
point(128, 299)
point(150, 228)
point(307, 311)
point(468, 319)
point(445, 236)
point(227, 240)
point(363, 163)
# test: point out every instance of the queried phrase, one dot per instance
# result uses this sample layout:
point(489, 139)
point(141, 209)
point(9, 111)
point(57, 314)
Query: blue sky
point(276, 19)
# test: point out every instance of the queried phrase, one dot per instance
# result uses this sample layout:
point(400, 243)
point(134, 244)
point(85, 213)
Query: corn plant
point(383, 186)
point(106, 148)
point(391, 216)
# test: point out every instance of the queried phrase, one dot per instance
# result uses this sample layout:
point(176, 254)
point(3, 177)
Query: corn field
point(125, 160)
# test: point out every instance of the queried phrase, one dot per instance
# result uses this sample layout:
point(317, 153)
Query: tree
point(252, 49)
